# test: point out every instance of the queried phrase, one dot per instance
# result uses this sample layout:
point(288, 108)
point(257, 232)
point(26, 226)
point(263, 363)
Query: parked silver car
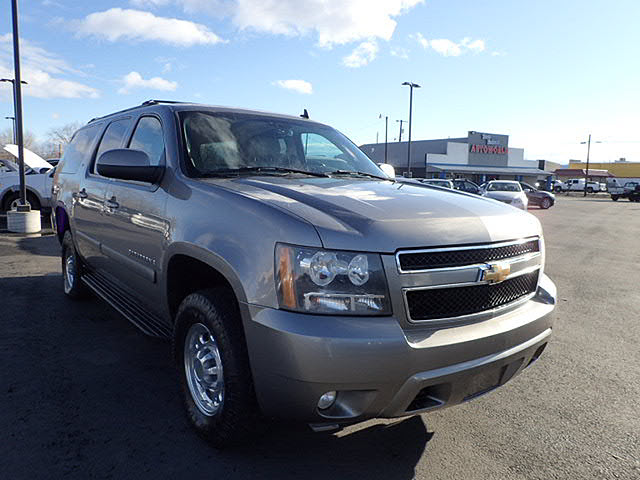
point(295, 279)
point(507, 191)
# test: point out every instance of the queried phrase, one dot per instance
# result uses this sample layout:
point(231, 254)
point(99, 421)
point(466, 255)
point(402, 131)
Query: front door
point(136, 223)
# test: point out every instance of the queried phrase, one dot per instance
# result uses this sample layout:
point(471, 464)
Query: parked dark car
point(466, 186)
point(537, 197)
point(634, 195)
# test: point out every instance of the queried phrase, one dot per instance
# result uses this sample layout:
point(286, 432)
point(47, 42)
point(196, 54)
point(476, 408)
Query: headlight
point(315, 280)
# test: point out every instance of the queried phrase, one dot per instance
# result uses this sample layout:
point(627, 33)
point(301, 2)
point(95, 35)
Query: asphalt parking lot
point(85, 395)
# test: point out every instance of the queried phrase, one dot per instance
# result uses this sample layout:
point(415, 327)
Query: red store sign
point(497, 150)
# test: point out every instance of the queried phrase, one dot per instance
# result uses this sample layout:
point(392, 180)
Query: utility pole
point(17, 89)
point(400, 135)
point(386, 135)
point(411, 86)
point(425, 165)
point(586, 173)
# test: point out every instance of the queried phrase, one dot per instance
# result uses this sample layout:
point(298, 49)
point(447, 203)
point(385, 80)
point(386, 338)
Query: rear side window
point(79, 149)
point(148, 138)
point(113, 136)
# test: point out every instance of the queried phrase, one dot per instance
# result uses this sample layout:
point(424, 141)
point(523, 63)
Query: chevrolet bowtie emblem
point(495, 272)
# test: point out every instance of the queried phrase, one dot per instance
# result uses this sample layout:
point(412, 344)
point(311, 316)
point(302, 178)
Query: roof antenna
point(305, 114)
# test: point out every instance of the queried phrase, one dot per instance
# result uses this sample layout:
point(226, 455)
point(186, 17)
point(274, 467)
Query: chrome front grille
point(455, 283)
point(436, 303)
point(418, 260)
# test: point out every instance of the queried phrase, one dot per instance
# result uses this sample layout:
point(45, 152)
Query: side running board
point(129, 308)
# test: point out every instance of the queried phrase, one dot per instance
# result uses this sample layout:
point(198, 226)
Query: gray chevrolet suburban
point(293, 277)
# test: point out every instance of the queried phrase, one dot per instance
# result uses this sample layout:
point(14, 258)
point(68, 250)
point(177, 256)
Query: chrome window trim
point(484, 246)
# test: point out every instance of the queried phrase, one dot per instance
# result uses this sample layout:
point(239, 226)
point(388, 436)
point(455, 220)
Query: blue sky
point(547, 73)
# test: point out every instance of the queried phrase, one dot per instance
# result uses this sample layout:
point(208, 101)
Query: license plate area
point(483, 383)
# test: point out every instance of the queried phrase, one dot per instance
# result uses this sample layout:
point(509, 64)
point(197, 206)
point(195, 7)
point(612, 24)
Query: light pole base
point(24, 222)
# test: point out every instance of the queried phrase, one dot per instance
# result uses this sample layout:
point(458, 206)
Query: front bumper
point(382, 370)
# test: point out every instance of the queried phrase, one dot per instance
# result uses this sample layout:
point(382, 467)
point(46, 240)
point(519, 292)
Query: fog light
point(327, 400)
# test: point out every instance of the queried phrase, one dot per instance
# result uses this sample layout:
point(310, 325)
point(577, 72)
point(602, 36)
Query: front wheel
point(614, 198)
point(213, 368)
point(557, 189)
point(546, 203)
point(71, 269)
point(589, 190)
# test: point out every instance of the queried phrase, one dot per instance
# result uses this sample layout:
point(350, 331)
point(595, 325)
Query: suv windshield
point(219, 143)
point(504, 187)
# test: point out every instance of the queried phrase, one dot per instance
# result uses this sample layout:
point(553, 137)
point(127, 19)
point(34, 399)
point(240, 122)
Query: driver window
point(148, 138)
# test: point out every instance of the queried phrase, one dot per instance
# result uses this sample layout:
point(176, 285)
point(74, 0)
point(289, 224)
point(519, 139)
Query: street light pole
point(411, 86)
point(13, 87)
point(17, 89)
point(13, 127)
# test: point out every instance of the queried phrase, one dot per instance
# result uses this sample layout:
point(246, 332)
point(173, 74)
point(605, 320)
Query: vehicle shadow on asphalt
point(86, 395)
point(382, 450)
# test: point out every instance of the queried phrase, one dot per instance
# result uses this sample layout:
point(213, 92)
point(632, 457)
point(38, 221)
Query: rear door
point(85, 197)
point(91, 197)
point(135, 220)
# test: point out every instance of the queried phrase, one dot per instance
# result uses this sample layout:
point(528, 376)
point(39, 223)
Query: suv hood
point(379, 216)
point(503, 196)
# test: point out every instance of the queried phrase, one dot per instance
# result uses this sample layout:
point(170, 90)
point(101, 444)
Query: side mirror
point(127, 164)
point(388, 170)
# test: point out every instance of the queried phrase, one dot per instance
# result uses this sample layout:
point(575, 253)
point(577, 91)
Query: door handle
point(81, 194)
point(112, 204)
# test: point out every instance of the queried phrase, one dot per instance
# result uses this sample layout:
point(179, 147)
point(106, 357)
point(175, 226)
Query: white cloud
point(134, 80)
point(336, 22)
point(420, 39)
point(300, 86)
point(445, 47)
point(43, 71)
point(476, 46)
point(449, 48)
point(362, 55)
point(400, 52)
point(55, 115)
point(117, 24)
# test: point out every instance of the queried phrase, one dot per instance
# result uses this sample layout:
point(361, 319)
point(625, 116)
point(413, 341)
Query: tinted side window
point(79, 149)
point(148, 138)
point(113, 136)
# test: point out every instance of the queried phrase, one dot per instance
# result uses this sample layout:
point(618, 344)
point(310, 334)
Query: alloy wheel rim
point(203, 369)
point(69, 272)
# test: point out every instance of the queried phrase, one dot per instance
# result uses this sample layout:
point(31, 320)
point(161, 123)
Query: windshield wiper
point(229, 172)
point(361, 174)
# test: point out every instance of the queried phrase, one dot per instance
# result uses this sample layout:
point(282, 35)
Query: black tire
point(236, 420)
point(589, 189)
point(545, 203)
point(72, 269)
point(15, 196)
point(8, 200)
point(614, 198)
point(557, 189)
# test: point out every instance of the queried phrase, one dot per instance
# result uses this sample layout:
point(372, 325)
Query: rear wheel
point(213, 368)
point(614, 198)
point(546, 203)
point(71, 269)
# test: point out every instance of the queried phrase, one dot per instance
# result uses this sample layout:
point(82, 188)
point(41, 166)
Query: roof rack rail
point(143, 104)
point(155, 102)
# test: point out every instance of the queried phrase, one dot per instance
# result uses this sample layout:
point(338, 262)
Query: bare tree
point(62, 135)
point(44, 149)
